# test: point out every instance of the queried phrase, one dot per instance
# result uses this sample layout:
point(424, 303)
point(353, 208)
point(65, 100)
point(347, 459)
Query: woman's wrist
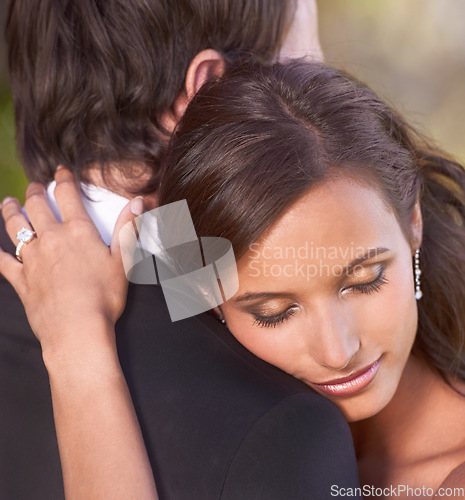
point(80, 348)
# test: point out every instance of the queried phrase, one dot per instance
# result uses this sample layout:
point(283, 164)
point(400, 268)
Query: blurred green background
point(411, 51)
point(12, 180)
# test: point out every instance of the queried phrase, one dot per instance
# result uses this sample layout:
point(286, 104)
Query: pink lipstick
point(347, 386)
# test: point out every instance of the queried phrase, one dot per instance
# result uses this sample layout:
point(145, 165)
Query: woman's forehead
point(336, 212)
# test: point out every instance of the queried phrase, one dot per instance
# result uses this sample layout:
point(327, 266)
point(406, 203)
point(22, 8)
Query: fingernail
point(5, 201)
point(60, 167)
point(137, 205)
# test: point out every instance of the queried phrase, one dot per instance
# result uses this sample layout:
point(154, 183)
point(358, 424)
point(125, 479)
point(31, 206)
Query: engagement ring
point(24, 236)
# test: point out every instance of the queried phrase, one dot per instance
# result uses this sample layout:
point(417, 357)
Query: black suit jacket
point(218, 422)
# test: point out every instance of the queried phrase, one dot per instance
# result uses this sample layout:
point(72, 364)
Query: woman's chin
point(353, 414)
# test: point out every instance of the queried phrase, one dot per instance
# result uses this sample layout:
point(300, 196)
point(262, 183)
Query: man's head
point(104, 82)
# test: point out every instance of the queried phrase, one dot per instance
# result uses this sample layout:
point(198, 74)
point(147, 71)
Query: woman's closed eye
point(272, 320)
point(372, 286)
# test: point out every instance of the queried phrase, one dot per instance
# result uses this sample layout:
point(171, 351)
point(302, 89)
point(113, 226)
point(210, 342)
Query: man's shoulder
point(299, 449)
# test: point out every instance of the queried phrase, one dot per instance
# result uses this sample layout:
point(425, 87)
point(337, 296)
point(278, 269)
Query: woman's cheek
point(391, 317)
point(268, 344)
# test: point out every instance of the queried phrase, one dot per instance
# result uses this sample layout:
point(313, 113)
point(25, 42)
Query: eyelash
point(373, 286)
point(273, 321)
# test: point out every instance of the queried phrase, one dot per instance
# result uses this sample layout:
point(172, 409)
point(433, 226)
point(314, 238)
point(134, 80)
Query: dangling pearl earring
point(222, 320)
point(418, 292)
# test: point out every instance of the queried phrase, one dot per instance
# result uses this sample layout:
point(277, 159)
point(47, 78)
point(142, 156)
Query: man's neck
point(123, 185)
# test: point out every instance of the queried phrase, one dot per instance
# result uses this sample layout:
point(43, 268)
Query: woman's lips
point(347, 386)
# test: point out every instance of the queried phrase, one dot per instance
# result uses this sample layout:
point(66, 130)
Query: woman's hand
point(68, 276)
point(73, 288)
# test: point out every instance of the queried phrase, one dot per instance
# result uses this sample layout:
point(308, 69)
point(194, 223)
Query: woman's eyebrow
point(369, 254)
point(260, 295)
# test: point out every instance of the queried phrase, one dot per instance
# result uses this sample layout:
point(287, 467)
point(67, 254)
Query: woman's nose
point(337, 340)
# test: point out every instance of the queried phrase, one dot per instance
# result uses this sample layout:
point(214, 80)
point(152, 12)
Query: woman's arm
point(101, 447)
point(74, 289)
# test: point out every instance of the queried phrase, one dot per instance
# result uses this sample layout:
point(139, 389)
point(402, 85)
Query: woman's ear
point(205, 65)
point(416, 227)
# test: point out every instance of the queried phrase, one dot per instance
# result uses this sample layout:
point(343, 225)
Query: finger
point(12, 270)
point(68, 196)
point(124, 240)
point(37, 208)
point(14, 218)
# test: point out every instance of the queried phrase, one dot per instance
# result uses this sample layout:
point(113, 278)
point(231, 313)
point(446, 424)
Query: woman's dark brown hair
point(91, 78)
point(253, 142)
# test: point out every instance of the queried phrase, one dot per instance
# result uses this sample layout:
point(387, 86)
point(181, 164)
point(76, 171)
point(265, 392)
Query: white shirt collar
point(102, 205)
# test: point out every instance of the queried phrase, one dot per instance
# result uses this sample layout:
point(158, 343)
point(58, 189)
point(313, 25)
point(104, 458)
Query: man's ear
point(416, 227)
point(205, 65)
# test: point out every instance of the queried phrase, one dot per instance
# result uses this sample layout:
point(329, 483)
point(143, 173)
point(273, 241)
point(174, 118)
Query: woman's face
point(327, 295)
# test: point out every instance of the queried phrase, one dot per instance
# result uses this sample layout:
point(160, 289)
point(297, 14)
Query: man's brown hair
point(91, 78)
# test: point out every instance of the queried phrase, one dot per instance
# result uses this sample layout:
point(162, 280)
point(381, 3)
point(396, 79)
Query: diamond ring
point(24, 236)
